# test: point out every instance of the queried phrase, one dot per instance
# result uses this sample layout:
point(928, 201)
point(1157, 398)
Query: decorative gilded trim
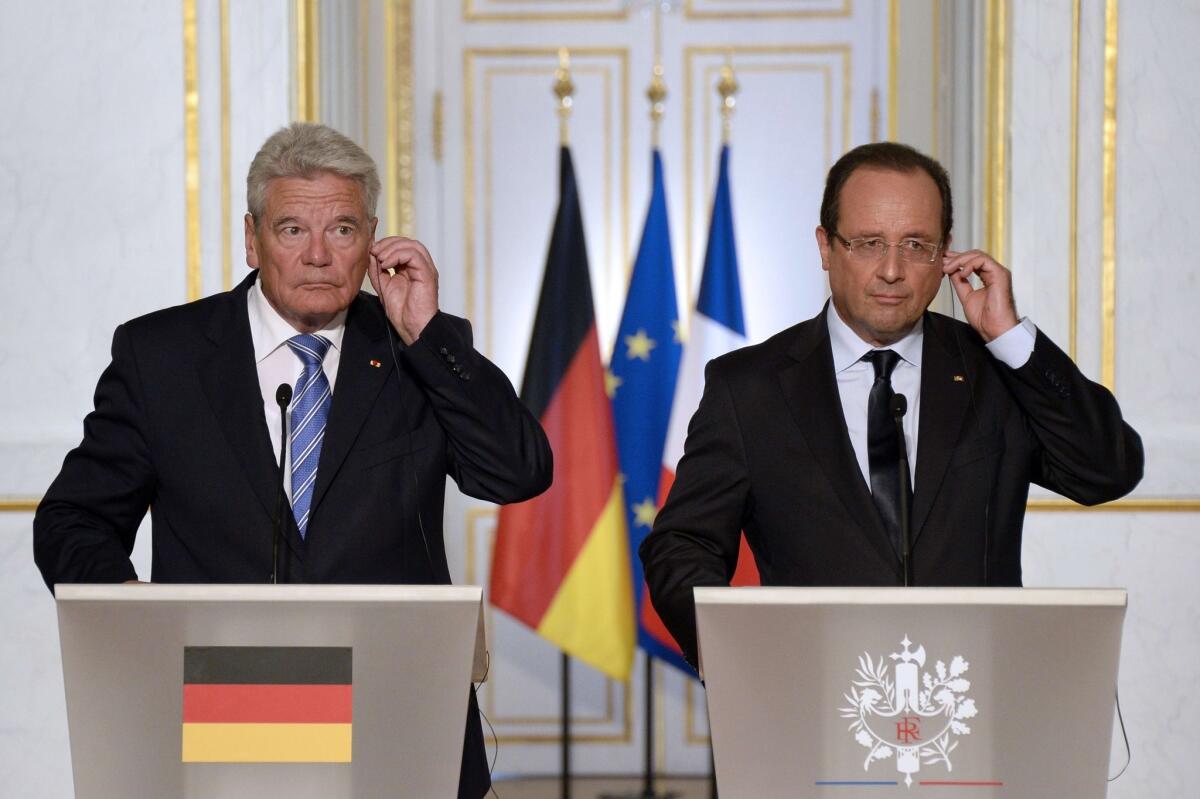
point(995, 168)
point(1073, 222)
point(470, 14)
point(398, 85)
point(1128, 505)
point(19, 504)
point(226, 159)
point(936, 78)
point(191, 150)
point(364, 71)
point(308, 60)
point(690, 11)
point(1108, 253)
point(486, 338)
point(689, 54)
point(893, 66)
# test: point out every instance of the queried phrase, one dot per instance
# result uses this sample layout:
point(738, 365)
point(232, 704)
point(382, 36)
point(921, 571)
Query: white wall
point(1150, 544)
point(93, 225)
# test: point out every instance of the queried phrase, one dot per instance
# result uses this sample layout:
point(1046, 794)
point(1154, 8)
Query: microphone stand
point(283, 397)
point(899, 408)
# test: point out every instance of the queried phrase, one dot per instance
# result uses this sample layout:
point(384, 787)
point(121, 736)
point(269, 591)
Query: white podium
point(917, 692)
point(368, 685)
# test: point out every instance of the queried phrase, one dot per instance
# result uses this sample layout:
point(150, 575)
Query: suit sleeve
point(697, 534)
point(497, 450)
point(85, 525)
point(1086, 451)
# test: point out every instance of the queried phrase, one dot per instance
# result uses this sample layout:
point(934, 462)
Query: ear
point(251, 243)
point(373, 224)
point(823, 246)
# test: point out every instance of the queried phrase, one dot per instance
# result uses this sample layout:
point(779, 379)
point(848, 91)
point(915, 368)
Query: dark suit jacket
point(178, 427)
point(767, 452)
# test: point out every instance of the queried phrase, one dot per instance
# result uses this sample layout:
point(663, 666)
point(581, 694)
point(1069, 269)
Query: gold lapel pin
point(959, 378)
point(376, 363)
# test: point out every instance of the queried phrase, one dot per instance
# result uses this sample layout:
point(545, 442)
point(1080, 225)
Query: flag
point(641, 383)
point(718, 326)
point(257, 704)
point(561, 560)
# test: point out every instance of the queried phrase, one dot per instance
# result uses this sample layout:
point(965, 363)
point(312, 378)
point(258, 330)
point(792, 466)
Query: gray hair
point(305, 150)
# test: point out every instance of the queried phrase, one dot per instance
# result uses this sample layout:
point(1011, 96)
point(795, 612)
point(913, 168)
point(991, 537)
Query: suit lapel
point(359, 381)
point(229, 378)
point(944, 403)
point(811, 391)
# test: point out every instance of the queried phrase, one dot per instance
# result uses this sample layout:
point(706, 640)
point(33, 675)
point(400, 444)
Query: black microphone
point(283, 397)
point(899, 406)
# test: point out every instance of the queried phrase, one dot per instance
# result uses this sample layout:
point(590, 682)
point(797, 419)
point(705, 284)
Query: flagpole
point(727, 88)
point(656, 93)
point(564, 88)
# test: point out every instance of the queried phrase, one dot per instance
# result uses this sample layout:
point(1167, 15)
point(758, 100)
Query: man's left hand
point(410, 293)
point(990, 309)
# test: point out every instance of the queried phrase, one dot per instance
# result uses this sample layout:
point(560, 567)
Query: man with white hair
point(388, 398)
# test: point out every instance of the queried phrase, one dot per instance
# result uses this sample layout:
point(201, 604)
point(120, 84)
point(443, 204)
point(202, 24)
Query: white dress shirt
point(276, 363)
point(855, 377)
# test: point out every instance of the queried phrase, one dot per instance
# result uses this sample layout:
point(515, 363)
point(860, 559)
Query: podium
point(198, 691)
point(913, 692)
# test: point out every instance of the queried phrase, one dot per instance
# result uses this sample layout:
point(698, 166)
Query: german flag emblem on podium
point(255, 704)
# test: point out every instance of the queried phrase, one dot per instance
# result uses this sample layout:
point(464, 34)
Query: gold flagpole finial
point(656, 92)
point(564, 88)
point(727, 87)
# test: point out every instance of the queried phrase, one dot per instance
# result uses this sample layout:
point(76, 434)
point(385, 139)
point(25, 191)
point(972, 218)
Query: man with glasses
point(795, 441)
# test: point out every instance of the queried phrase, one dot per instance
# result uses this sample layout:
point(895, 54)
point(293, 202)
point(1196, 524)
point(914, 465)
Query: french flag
point(718, 326)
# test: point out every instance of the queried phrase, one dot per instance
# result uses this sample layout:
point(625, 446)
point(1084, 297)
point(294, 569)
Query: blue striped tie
point(310, 412)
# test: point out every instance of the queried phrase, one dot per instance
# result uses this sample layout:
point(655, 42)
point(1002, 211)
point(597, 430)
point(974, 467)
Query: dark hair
point(891, 156)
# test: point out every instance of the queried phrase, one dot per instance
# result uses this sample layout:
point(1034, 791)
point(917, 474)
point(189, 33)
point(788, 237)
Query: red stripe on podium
point(265, 704)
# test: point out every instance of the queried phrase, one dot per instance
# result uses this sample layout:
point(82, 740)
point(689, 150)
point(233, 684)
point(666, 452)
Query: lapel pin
point(376, 363)
point(959, 378)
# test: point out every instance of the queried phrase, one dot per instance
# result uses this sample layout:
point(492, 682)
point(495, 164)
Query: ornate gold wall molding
point(473, 14)
point(841, 58)
point(693, 10)
point(306, 23)
point(995, 165)
point(398, 83)
point(1108, 246)
point(191, 150)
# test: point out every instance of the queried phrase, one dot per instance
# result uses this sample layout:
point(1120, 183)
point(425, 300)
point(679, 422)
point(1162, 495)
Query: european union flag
point(641, 383)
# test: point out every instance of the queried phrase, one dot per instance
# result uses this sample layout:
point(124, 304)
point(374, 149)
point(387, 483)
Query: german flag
point(561, 561)
point(257, 704)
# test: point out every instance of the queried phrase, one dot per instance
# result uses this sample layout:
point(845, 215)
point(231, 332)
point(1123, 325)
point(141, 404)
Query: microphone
point(283, 398)
point(899, 407)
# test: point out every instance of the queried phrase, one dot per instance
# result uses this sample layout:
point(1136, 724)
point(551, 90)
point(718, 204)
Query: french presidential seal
point(915, 715)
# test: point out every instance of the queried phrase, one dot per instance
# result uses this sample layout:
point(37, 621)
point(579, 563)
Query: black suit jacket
point(178, 428)
point(767, 452)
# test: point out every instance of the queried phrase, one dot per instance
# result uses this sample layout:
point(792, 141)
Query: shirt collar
point(848, 348)
point(269, 331)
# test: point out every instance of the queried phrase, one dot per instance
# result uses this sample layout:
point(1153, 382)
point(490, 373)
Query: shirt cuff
point(1014, 347)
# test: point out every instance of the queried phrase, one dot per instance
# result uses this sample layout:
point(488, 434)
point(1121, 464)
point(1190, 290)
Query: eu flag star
point(611, 383)
point(644, 513)
point(639, 345)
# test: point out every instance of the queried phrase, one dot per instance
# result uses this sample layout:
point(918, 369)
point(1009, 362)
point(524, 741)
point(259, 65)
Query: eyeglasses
point(873, 248)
